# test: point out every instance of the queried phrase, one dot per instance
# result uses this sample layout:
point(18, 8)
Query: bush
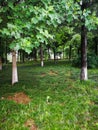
point(92, 61)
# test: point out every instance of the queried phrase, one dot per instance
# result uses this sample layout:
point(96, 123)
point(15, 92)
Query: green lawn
point(59, 101)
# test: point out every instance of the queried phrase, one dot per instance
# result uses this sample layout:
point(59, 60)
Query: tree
point(27, 22)
point(14, 68)
point(82, 12)
point(86, 21)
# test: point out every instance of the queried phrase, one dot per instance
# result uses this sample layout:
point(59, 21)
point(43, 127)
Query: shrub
point(92, 61)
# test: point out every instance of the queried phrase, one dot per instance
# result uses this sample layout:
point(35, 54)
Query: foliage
point(92, 60)
point(33, 19)
point(29, 20)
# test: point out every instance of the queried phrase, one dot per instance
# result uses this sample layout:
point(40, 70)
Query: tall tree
point(83, 12)
point(85, 8)
point(14, 68)
point(28, 22)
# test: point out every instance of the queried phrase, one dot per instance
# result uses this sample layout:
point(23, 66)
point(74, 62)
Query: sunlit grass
point(59, 101)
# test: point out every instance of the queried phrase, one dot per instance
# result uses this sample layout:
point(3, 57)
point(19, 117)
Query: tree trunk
point(0, 63)
point(83, 75)
point(78, 51)
point(6, 55)
point(35, 54)
point(63, 53)
point(23, 56)
point(14, 68)
point(70, 52)
point(48, 53)
point(54, 51)
point(41, 55)
point(96, 48)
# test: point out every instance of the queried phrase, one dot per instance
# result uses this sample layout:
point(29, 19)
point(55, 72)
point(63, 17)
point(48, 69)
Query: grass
point(59, 101)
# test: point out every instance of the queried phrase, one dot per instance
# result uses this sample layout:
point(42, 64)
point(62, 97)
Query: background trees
point(26, 25)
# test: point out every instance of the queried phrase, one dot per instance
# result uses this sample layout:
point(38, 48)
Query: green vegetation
point(58, 96)
point(91, 58)
point(62, 27)
point(59, 101)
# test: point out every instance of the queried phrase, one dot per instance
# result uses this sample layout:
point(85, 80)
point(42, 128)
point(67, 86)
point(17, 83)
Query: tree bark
point(35, 54)
point(14, 68)
point(70, 52)
point(78, 51)
point(48, 53)
point(41, 55)
point(96, 48)
point(63, 53)
point(83, 74)
point(22, 56)
point(6, 61)
point(54, 51)
point(0, 63)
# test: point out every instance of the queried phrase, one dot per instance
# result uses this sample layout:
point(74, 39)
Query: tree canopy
point(25, 24)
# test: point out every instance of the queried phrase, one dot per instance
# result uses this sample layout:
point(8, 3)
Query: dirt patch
point(53, 73)
point(20, 98)
point(43, 74)
point(31, 124)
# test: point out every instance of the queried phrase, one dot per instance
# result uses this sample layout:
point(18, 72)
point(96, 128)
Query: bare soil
point(53, 73)
point(43, 74)
point(20, 98)
point(30, 123)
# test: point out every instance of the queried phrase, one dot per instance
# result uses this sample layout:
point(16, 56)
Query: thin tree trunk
point(78, 51)
point(18, 56)
point(35, 54)
point(83, 75)
point(0, 63)
point(96, 48)
point(41, 55)
point(48, 53)
point(6, 55)
point(63, 53)
point(23, 56)
point(14, 68)
point(54, 51)
point(70, 52)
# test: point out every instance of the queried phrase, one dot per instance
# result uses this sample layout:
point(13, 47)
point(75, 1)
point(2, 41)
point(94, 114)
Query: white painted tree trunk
point(41, 55)
point(0, 63)
point(42, 63)
point(84, 75)
point(14, 68)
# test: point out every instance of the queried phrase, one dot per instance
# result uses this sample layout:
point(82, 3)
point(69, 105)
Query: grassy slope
point(59, 100)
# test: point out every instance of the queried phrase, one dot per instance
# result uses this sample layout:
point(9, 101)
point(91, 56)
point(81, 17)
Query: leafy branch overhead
point(33, 21)
point(29, 21)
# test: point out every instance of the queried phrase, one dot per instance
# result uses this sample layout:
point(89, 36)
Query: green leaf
point(70, 18)
point(11, 5)
point(34, 20)
point(12, 45)
point(6, 31)
point(28, 50)
point(0, 20)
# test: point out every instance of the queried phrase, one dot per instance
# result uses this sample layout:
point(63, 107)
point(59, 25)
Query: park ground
point(48, 98)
